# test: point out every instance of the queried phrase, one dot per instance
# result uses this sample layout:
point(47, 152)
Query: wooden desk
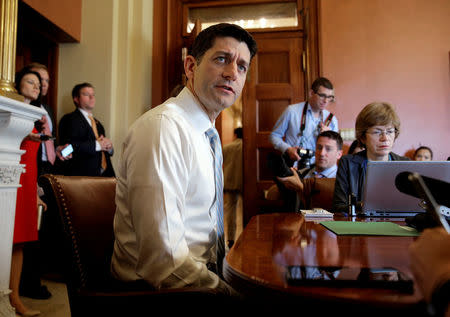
point(256, 264)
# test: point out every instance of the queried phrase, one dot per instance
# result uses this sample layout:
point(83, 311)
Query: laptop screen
point(380, 195)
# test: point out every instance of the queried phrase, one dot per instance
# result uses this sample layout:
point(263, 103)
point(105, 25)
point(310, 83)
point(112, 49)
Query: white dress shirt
point(86, 115)
point(164, 231)
point(326, 173)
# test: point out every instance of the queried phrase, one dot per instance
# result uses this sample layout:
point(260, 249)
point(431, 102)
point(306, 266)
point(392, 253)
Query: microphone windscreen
point(404, 185)
point(439, 189)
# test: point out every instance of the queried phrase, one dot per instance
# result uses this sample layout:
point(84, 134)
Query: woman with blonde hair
point(377, 127)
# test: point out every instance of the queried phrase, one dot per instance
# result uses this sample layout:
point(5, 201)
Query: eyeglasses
point(323, 96)
point(378, 133)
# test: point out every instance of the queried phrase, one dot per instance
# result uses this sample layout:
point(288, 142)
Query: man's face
point(321, 99)
point(86, 100)
point(327, 153)
point(218, 79)
point(45, 80)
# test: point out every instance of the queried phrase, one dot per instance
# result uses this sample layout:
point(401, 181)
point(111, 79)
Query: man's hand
point(59, 155)
point(293, 153)
point(323, 127)
point(430, 260)
point(34, 137)
point(292, 182)
point(105, 143)
point(41, 202)
point(39, 125)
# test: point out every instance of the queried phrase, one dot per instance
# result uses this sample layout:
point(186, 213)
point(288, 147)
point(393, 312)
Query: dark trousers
point(40, 257)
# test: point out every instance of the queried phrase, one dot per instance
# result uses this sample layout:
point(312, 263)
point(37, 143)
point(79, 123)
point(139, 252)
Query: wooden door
point(275, 80)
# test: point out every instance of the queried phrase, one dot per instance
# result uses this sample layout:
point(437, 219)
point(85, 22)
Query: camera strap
point(328, 119)
point(303, 120)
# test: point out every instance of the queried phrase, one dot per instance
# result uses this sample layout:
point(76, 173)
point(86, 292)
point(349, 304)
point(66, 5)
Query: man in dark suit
point(91, 148)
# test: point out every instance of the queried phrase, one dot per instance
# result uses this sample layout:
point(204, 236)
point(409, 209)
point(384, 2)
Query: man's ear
point(310, 93)
point(76, 101)
point(190, 64)
point(339, 154)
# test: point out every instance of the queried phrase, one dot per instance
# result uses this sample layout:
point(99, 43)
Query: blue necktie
point(214, 141)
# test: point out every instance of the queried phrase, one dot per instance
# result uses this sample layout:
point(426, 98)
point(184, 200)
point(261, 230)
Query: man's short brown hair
point(76, 90)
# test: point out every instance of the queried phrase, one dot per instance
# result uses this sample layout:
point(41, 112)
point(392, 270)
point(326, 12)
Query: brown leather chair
point(317, 193)
point(86, 208)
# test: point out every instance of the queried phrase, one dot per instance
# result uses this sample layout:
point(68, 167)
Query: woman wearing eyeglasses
point(377, 127)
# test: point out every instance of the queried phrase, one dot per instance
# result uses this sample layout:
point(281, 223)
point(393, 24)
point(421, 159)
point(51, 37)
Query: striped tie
point(214, 141)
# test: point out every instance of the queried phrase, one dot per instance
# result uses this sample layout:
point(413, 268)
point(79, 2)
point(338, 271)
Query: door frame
point(168, 41)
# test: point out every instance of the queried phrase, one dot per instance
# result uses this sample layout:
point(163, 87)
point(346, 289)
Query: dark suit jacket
point(86, 161)
point(350, 179)
point(43, 167)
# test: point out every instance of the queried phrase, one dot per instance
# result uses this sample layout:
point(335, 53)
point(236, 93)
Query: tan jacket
point(232, 165)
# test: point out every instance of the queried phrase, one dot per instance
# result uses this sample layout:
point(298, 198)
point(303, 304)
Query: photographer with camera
point(328, 152)
point(301, 123)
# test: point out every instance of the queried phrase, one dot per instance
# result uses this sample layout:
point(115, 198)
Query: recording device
point(45, 137)
point(342, 276)
point(352, 205)
point(419, 186)
point(305, 157)
point(67, 150)
point(280, 164)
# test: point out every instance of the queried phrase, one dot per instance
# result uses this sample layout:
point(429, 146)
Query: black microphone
point(439, 189)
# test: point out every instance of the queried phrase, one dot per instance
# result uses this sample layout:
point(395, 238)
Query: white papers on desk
point(316, 213)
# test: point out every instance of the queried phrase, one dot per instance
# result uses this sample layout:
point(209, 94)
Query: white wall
point(115, 56)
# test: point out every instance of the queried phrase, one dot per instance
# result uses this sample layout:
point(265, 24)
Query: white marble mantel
point(16, 121)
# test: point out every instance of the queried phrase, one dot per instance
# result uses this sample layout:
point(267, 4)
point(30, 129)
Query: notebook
point(381, 198)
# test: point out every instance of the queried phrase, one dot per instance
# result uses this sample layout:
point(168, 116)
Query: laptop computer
point(381, 198)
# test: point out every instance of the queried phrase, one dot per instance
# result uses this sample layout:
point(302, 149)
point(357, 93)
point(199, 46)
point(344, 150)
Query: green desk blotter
point(369, 228)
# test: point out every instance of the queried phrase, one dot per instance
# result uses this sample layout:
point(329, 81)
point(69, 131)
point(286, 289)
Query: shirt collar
point(328, 173)
point(85, 114)
point(196, 114)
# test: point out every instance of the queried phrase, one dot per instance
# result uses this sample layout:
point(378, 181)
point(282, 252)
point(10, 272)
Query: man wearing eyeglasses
point(301, 123)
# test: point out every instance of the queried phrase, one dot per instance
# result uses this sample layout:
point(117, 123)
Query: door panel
point(275, 80)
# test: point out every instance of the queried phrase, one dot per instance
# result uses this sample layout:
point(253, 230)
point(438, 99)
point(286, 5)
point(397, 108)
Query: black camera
point(280, 164)
point(305, 158)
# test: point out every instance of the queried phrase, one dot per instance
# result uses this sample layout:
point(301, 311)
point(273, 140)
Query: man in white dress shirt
point(165, 231)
